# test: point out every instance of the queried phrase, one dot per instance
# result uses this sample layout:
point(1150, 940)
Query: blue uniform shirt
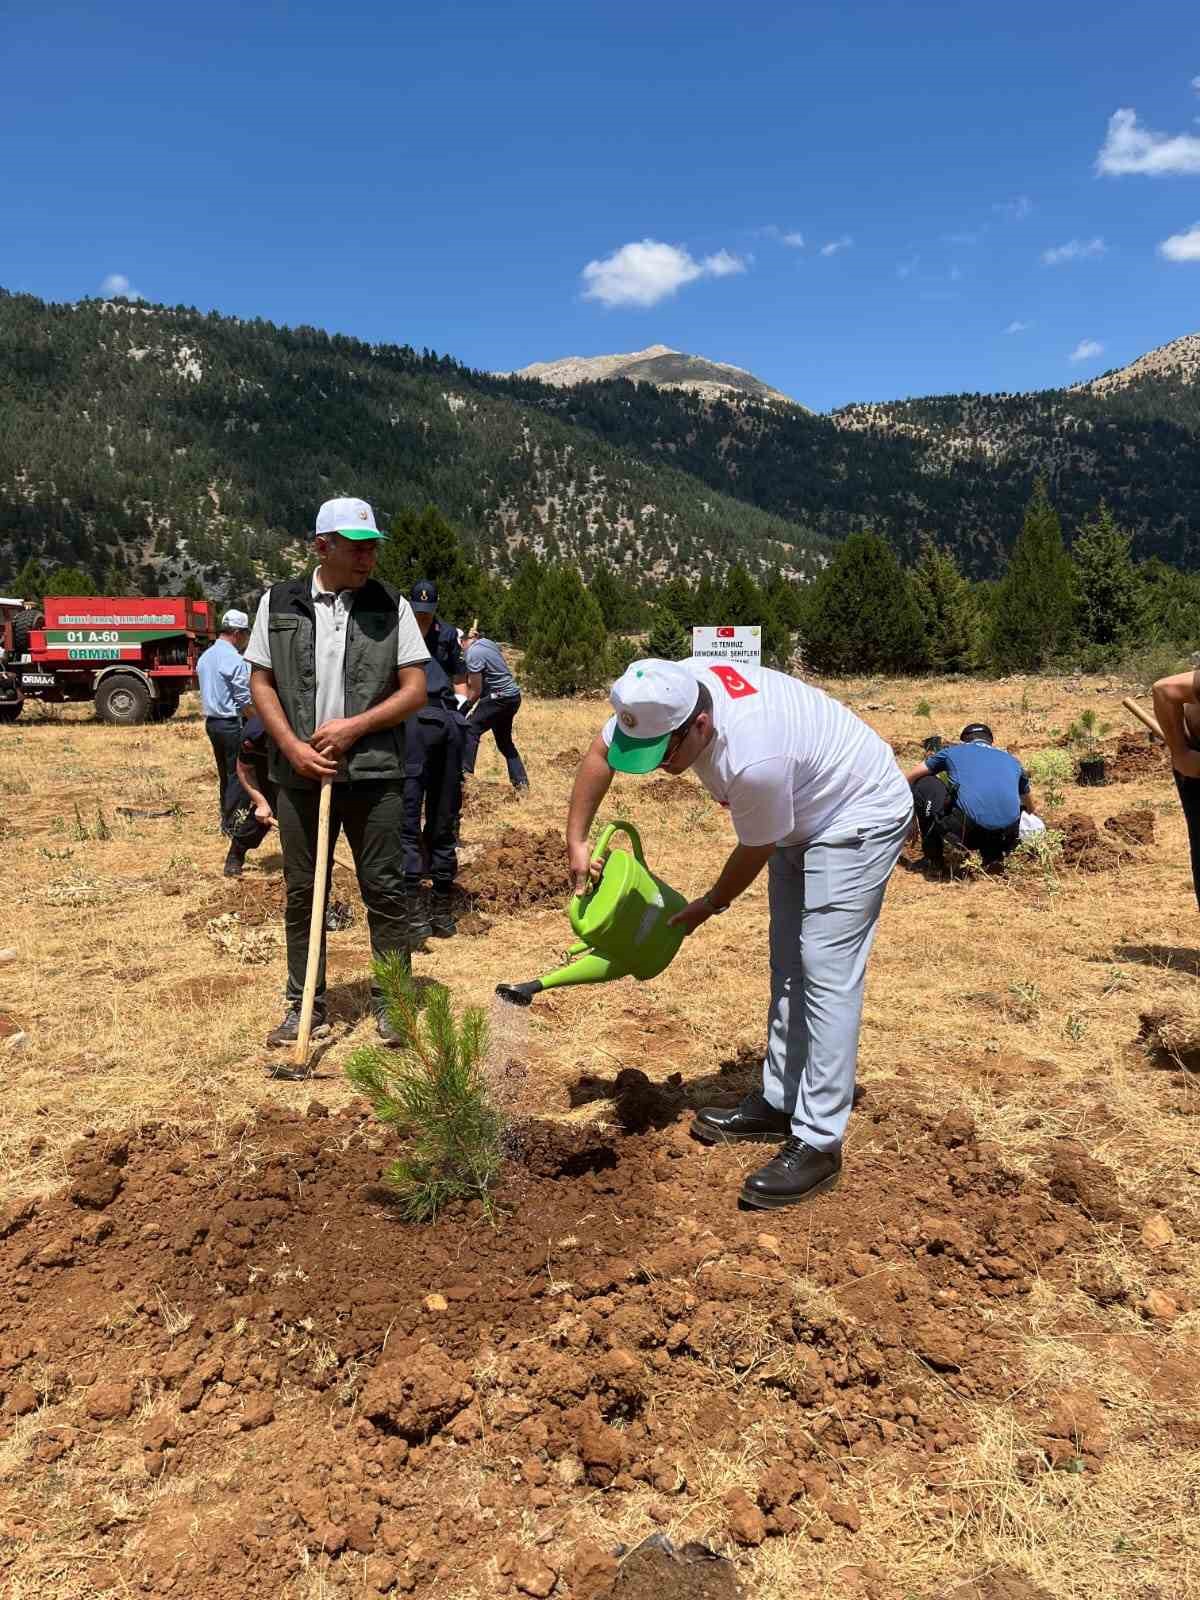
point(224, 680)
point(444, 646)
point(987, 783)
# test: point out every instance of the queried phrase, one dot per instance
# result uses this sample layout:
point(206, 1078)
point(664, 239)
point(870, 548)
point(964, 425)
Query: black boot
point(419, 925)
point(753, 1119)
point(794, 1173)
point(235, 861)
point(441, 919)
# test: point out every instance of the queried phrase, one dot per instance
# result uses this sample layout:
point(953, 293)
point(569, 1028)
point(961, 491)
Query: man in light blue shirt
point(225, 696)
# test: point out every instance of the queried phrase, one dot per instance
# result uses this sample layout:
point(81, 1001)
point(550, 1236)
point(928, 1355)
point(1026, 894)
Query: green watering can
point(622, 923)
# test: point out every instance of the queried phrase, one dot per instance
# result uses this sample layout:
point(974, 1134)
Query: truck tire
point(11, 711)
point(23, 624)
point(123, 699)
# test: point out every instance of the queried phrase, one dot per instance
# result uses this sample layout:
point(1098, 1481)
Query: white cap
point(651, 698)
point(352, 518)
point(235, 619)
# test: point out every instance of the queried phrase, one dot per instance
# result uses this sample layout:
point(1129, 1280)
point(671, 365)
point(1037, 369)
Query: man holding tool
point(1177, 708)
point(336, 666)
point(815, 795)
point(433, 782)
point(493, 700)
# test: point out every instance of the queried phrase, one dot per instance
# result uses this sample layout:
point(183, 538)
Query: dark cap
point(424, 595)
point(976, 733)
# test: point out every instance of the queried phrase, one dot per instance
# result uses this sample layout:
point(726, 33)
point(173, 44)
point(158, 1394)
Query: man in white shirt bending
point(815, 795)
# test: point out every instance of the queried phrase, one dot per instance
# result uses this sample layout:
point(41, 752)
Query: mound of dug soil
point(1135, 826)
point(322, 1386)
point(567, 760)
point(519, 870)
point(670, 791)
point(1133, 757)
point(1086, 848)
point(1173, 1040)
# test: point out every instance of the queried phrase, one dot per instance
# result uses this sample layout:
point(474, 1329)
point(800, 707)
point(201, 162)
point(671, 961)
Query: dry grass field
point(1006, 1406)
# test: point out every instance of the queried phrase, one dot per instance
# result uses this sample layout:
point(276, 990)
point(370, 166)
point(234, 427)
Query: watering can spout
point(622, 923)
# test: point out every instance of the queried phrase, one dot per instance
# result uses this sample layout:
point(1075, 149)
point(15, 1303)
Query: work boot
point(235, 861)
point(753, 1119)
point(441, 918)
point(388, 1036)
point(288, 1030)
point(796, 1172)
point(417, 919)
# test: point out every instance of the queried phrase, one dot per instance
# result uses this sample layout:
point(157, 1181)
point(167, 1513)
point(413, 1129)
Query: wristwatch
point(713, 906)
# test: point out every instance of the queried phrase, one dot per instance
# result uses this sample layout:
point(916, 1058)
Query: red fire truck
point(132, 657)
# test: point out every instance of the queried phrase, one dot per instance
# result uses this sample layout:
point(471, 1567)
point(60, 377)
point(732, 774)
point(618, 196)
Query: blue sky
point(472, 177)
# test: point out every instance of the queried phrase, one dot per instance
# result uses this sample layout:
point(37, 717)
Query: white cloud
point(1196, 83)
point(1182, 246)
point(791, 237)
point(794, 240)
point(724, 265)
point(834, 245)
point(1128, 147)
point(116, 286)
point(1014, 210)
point(1018, 327)
point(1086, 350)
point(646, 271)
point(1073, 250)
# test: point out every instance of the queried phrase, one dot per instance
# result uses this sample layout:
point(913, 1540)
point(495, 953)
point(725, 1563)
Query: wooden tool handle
point(316, 925)
point(1143, 716)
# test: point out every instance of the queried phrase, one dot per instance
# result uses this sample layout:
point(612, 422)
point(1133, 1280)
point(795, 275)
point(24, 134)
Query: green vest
point(370, 675)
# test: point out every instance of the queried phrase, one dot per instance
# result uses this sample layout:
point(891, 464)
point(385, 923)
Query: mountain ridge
point(657, 364)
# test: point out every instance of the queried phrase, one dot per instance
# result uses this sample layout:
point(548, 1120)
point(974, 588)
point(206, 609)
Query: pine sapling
point(432, 1089)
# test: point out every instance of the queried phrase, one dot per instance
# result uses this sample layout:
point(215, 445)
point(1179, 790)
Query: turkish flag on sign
point(736, 687)
point(726, 633)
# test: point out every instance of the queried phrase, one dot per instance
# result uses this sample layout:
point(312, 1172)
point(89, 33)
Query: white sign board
point(740, 645)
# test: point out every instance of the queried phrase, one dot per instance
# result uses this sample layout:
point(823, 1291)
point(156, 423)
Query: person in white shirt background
point(816, 796)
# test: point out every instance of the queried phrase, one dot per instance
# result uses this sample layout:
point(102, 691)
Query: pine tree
point(745, 606)
point(69, 581)
point(615, 599)
point(1113, 602)
point(860, 614)
point(1035, 601)
point(521, 602)
point(566, 653)
point(426, 546)
point(950, 613)
point(676, 597)
point(30, 582)
point(786, 598)
point(667, 640)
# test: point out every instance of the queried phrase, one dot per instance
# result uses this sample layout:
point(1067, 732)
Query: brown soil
point(200, 991)
point(1172, 1040)
point(1085, 847)
point(518, 871)
point(364, 1387)
point(567, 760)
point(1135, 826)
point(1133, 756)
point(259, 899)
point(655, 1570)
point(668, 791)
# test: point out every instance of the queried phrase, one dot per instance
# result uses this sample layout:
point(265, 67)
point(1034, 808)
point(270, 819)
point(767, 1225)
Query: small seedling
point(1028, 998)
point(1086, 732)
point(433, 1090)
point(1075, 1027)
point(923, 709)
point(1049, 770)
point(1042, 851)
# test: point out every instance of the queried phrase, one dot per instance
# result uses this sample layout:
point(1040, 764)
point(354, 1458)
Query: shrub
point(668, 641)
point(432, 1089)
point(1049, 770)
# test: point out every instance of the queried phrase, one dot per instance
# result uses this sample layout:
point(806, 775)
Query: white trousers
point(825, 901)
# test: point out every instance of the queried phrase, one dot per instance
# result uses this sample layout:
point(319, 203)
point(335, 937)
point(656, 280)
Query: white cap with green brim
point(352, 518)
point(651, 699)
